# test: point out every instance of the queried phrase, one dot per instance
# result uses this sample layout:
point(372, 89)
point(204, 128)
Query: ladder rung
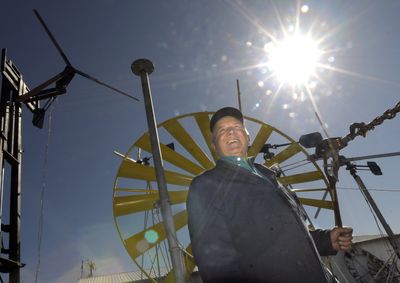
point(7, 265)
point(10, 158)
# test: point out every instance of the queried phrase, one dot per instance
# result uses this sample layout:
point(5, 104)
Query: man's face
point(230, 137)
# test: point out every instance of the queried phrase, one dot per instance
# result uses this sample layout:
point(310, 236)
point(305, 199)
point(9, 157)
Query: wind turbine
point(61, 81)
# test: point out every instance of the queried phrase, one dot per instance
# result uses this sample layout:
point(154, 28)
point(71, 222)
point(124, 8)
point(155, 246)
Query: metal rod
point(319, 208)
point(332, 176)
point(238, 93)
point(332, 188)
point(40, 87)
point(142, 68)
point(374, 156)
point(389, 232)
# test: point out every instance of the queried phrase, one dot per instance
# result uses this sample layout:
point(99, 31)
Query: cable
point(304, 162)
point(44, 175)
point(375, 219)
point(294, 167)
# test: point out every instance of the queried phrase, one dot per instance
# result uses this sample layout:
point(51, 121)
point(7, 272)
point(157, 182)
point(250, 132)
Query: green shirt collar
point(246, 163)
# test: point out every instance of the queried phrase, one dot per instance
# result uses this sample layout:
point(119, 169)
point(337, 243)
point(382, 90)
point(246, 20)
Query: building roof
point(126, 277)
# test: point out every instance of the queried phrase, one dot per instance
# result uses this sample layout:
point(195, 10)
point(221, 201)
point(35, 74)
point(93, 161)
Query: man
point(244, 226)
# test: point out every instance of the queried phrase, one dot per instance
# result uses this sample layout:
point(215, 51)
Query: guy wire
point(41, 215)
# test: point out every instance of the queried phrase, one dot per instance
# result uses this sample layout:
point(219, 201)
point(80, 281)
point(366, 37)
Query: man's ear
point(213, 146)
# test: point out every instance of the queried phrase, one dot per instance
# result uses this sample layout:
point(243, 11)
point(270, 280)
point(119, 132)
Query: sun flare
point(294, 59)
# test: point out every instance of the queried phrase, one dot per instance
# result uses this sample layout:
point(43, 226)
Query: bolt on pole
point(142, 68)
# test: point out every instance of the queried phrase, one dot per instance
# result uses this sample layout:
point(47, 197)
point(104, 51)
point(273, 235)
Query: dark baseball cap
point(223, 112)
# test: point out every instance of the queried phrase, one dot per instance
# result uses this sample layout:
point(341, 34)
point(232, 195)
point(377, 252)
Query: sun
point(293, 60)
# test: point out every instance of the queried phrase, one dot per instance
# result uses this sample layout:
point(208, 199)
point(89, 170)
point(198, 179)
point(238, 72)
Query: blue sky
point(199, 49)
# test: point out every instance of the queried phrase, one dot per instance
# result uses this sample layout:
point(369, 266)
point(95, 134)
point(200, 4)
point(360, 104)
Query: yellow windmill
point(185, 147)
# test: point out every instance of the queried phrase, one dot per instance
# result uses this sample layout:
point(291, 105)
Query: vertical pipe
point(142, 68)
point(238, 94)
point(332, 179)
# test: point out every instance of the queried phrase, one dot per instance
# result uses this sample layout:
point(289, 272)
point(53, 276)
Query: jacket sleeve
point(211, 243)
point(322, 240)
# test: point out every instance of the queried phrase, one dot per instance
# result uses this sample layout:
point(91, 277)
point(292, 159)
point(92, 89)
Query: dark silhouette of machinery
point(15, 93)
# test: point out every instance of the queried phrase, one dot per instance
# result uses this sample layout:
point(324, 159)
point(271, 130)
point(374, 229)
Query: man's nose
point(230, 130)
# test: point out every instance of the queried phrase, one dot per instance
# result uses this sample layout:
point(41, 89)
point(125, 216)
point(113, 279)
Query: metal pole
point(374, 156)
point(238, 93)
point(332, 179)
point(389, 232)
point(142, 68)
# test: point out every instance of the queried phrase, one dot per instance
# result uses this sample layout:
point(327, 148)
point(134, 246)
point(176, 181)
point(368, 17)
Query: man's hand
point(341, 238)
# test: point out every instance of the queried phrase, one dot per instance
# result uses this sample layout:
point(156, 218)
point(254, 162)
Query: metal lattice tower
point(13, 86)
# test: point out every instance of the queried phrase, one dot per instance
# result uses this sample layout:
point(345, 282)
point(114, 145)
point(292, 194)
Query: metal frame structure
point(12, 88)
point(14, 93)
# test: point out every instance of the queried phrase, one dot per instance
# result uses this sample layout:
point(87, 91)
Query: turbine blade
point(52, 37)
point(104, 84)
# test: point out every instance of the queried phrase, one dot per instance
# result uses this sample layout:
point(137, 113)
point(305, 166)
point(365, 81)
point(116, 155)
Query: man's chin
point(235, 153)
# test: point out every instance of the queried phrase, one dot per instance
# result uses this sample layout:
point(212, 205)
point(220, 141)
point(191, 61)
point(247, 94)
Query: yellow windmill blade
point(136, 201)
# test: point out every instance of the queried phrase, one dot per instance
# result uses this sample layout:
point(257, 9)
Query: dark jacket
point(245, 228)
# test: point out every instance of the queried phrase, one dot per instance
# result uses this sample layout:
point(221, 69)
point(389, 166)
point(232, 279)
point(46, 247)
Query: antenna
point(91, 267)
